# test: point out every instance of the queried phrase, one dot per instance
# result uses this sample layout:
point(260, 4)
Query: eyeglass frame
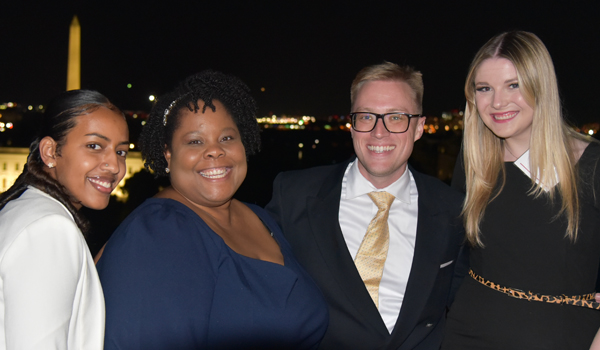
point(382, 116)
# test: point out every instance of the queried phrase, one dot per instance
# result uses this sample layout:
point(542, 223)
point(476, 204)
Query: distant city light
point(9, 125)
point(143, 122)
point(300, 145)
point(3, 106)
point(30, 107)
point(591, 132)
point(131, 146)
point(317, 141)
point(135, 115)
point(262, 89)
point(285, 122)
point(40, 107)
point(151, 98)
point(10, 104)
point(129, 86)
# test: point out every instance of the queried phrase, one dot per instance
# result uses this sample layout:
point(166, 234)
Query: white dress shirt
point(356, 212)
point(50, 293)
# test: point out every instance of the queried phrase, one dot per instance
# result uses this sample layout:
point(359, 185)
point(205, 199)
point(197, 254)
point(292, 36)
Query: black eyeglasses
point(394, 122)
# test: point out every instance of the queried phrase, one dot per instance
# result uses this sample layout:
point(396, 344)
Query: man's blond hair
point(388, 71)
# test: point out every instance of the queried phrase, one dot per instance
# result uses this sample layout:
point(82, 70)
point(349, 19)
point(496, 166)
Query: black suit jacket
point(305, 203)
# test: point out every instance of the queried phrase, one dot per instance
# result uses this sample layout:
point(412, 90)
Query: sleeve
point(596, 180)
point(40, 273)
point(462, 265)
point(158, 282)
point(274, 206)
point(460, 271)
point(459, 179)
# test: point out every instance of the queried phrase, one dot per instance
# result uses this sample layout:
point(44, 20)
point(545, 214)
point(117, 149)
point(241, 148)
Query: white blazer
point(50, 293)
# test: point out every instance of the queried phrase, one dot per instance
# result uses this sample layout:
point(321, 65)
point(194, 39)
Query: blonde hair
point(550, 143)
point(388, 71)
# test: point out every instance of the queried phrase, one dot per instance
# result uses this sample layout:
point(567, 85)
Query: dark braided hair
point(207, 86)
point(57, 121)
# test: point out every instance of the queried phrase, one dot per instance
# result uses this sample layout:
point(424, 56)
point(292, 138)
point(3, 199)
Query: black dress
point(526, 248)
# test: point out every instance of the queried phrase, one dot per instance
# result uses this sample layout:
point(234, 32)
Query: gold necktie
point(373, 250)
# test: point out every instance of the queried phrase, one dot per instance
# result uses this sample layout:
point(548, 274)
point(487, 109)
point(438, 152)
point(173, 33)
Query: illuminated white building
point(12, 161)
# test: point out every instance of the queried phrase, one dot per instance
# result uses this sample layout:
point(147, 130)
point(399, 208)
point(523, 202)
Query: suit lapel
point(323, 213)
point(424, 268)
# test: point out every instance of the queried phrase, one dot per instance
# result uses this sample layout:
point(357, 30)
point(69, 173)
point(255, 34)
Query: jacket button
point(429, 325)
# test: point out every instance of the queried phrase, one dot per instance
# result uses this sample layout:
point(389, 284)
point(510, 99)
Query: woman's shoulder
point(589, 171)
point(160, 210)
point(159, 229)
point(159, 218)
point(589, 155)
point(256, 209)
point(164, 205)
point(263, 215)
point(33, 214)
point(32, 207)
point(34, 204)
point(269, 222)
point(592, 148)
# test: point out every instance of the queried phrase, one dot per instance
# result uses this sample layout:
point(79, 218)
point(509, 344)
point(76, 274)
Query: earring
point(167, 170)
point(50, 165)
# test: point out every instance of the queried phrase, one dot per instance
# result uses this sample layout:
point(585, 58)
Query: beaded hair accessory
point(168, 110)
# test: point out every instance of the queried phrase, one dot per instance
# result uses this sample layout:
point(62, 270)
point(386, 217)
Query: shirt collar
point(357, 185)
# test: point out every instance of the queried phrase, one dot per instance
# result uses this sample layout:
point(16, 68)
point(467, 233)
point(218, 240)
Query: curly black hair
point(207, 86)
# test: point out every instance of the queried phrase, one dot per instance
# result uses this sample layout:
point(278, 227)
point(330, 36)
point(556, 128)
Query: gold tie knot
point(382, 200)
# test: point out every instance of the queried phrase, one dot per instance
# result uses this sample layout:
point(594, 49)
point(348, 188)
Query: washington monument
point(74, 64)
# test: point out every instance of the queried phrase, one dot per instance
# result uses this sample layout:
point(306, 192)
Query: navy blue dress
point(170, 282)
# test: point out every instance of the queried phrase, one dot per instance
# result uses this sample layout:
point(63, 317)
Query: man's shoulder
point(314, 174)
point(435, 187)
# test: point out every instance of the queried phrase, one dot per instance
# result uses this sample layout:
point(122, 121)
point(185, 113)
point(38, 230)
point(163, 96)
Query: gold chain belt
point(585, 300)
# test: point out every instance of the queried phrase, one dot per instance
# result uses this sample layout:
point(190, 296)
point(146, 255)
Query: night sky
point(305, 54)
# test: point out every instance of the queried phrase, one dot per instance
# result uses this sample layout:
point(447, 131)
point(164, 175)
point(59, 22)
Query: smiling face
point(501, 105)
point(91, 162)
point(382, 155)
point(207, 160)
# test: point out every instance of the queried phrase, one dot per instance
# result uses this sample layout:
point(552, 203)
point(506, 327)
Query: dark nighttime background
point(304, 54)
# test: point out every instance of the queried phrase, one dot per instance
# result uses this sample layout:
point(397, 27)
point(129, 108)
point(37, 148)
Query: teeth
point(380, 149)
point(216, 173)
point(504, 116)
point(101, 183)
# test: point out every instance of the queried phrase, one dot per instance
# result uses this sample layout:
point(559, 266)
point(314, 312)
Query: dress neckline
point(197, 217)
point(585, 153)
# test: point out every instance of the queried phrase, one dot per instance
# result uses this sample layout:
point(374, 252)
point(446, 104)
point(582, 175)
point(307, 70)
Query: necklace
point(508, 149)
